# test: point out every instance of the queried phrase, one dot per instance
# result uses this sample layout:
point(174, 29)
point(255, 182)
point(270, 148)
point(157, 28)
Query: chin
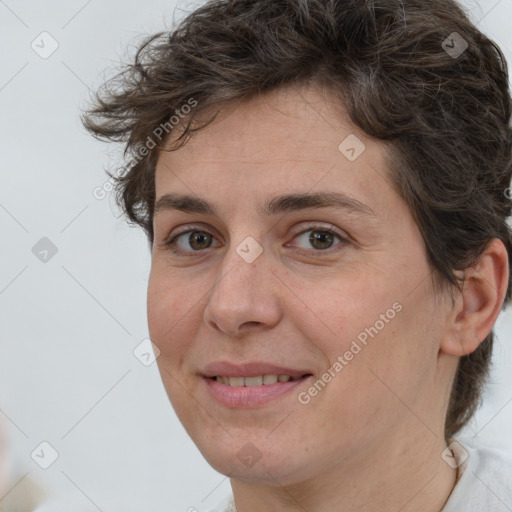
point(264, 464)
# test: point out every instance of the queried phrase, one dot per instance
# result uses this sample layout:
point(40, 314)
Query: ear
point(478, 305)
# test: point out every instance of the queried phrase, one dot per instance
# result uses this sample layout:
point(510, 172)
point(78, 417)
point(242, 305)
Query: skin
point(372, 438)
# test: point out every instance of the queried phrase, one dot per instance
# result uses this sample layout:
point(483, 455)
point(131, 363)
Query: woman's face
point(335, 295)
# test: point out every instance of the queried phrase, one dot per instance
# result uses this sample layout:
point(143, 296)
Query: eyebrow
point(279, 204)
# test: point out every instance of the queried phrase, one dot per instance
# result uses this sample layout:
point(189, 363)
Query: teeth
point(253, 381)
point(269, 379)
point(236, 381)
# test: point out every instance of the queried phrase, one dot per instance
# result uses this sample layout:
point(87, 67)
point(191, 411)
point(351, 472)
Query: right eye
point(199, 239)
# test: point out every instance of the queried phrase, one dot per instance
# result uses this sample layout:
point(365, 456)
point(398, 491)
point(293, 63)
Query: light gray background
point(68, 327)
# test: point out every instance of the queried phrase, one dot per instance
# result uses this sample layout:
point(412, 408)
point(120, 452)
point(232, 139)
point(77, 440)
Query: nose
point(244, 296)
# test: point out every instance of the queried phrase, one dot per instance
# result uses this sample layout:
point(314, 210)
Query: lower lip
point(250, 396)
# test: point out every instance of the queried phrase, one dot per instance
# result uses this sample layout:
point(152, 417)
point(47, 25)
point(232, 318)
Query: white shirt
point(484, 482)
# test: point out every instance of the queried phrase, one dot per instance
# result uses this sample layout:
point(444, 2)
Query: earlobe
point(478, 305)
point(460, 342)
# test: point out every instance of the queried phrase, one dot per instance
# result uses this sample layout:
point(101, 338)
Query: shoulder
point(485, 479)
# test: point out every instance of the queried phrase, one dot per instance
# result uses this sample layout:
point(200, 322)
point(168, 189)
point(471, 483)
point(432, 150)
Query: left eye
point(320, 238)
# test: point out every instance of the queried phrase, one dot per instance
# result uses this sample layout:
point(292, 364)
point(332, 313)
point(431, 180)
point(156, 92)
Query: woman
point(324, 185)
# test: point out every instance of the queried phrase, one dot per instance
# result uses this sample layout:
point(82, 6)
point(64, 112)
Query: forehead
point(296, 140)
point(298, 115)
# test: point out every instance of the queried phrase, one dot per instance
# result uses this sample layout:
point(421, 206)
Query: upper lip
point(253, 369)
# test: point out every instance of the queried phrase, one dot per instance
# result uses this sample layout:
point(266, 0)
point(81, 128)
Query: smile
point(253, 381)
point(253, 392)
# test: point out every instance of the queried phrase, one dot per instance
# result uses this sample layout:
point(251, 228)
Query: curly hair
point(415, 73)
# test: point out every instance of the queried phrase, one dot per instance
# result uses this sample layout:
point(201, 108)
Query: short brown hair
point(446, 116)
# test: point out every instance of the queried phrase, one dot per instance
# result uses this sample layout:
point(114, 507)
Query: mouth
point(251, 385)
point(259, 380)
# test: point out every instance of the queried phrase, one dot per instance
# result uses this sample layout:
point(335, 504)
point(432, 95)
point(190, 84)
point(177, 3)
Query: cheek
point(343, 308)
point(382, 335)
point(167, 308)
point(171, 328)
point(399, 359)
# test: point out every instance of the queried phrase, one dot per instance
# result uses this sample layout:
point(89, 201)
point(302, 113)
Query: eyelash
point(310, 227)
